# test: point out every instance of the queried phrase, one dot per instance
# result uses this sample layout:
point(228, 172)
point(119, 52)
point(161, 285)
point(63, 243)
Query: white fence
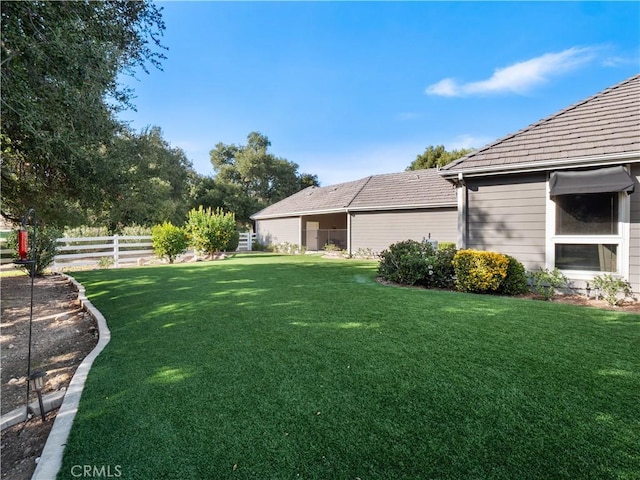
point(6, 255)
point(246, 241)
point(113, 250)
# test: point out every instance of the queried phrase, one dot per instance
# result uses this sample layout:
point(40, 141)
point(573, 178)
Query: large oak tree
point(248, 177)
point(60, 63)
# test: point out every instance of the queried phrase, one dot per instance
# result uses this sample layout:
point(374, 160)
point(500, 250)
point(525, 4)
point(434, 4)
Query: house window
point(587, 232)
point(596, 257)
point(588, 221)
point(587, 214)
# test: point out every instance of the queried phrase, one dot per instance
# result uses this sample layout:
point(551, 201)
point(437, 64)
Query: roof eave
point(356, 209)
point(404, 207)
point(257, 216)
point(535, 166)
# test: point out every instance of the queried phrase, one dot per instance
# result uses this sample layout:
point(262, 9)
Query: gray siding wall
point(278, 230)
point(378, 230)
point(507, 215)
point(327, 221)
point(634, 232)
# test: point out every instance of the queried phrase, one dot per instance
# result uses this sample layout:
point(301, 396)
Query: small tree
point(211, 231)
point(169, 241)
point(46, 248)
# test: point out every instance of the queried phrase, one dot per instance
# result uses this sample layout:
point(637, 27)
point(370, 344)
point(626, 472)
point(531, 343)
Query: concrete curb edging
point(50, 402)
point(51, 457)
point(13, 418)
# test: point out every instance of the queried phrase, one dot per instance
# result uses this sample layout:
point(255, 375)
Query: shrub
point(365, 253)
point(446, 245)
point(331, 247)
point(612, 288)
point(211, 231)
point(333, 250)
point(169, 241)
point(515, 283)
point(406, 262)
point(136, 230)
point(86, 231)
point(234, 241)
point(443, 275)
point(478, 271)
point(287, 248)
point(418, 263)
point(544, 282)
point(256, 246)
point(105, 262)
point(46, 248)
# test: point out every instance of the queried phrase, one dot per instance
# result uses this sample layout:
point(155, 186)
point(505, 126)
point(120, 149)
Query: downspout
point(463, 212)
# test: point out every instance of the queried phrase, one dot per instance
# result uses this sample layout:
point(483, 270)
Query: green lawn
point(276, 367)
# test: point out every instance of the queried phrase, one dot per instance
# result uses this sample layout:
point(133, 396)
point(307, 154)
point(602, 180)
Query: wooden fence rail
point(116, 250)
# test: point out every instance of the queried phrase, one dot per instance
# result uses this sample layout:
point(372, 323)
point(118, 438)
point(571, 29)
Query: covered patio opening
point(324, 229)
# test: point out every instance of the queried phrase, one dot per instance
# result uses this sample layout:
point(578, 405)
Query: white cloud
point(444, 88)
point(619, 61)
point(468, 141)
point(518, 78)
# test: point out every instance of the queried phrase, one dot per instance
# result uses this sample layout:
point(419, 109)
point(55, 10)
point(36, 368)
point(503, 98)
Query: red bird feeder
point(23, 244)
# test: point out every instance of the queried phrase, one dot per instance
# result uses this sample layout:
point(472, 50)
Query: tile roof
point(413, 189)
point(604, 125)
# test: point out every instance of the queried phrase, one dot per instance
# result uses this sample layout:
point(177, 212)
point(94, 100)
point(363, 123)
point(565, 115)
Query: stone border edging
point(51, 457)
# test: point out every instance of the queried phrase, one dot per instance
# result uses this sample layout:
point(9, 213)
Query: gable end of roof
point(593, 130)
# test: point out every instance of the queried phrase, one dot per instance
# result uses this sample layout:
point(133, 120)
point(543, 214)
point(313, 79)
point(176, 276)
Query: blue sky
point(350, 89)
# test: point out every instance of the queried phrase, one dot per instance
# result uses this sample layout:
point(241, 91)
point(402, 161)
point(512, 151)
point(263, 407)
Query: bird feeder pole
point(23, 248)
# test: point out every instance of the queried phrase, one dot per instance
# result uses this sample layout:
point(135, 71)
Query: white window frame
point(621, 239)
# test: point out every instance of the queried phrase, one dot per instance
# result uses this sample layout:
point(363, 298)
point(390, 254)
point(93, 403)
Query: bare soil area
point(62, 335)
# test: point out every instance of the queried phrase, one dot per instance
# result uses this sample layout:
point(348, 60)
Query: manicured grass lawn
point(274, 367)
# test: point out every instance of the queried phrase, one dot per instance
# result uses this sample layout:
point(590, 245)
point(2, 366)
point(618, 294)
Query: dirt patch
point(62, 336)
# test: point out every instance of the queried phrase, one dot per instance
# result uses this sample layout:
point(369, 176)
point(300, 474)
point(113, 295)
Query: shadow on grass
point(288, 366)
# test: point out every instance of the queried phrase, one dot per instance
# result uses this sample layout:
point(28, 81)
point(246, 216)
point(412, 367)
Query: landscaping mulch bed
point(631, 306)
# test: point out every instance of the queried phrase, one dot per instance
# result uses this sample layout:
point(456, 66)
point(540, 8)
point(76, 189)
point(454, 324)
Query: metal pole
point(32, 263)
point(42, 413)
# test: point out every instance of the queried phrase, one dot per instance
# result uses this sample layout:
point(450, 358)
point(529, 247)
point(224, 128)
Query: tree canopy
point(149, 181)
point(63, 149)
point(59, 67)
point(248, 177)
point(437, 157)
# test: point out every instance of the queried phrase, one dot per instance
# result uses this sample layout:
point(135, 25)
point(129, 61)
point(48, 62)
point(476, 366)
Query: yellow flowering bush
point(479, 271)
